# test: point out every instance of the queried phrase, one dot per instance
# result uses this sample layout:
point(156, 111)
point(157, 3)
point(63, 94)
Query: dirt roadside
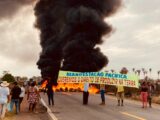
point(25, 115)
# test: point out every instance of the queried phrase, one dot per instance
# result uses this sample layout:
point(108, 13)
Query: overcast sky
point(134, 44)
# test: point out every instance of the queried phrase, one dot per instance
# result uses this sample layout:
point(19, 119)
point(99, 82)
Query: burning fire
point(93, 89)
point(68, 87)
point(72, 87)
point(44, 84)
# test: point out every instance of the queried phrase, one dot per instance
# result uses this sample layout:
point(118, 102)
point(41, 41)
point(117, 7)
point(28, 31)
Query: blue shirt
point(4, 92)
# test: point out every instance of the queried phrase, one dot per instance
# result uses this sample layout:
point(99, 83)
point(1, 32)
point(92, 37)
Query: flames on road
point(71, 87)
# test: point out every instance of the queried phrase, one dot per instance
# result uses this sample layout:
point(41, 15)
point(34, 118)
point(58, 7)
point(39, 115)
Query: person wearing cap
point(4, 98)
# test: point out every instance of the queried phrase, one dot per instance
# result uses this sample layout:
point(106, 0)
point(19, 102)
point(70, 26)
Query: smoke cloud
point(9, 7)
point(70, 31)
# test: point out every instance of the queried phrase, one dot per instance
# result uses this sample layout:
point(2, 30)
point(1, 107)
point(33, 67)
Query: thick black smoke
point(86, 29)
point(70, 31)
point(9, 7)
point(50, 20)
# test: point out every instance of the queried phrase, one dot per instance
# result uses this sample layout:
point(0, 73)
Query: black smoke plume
point(70, 31)
point(9, 7)
point(50, 20)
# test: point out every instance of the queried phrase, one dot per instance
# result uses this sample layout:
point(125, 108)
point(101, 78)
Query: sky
point(134, 43)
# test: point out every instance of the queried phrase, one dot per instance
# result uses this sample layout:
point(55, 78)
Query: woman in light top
point(22, 94)
point(33, 97)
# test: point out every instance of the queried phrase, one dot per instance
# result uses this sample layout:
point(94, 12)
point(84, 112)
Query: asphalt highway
point(68, 106)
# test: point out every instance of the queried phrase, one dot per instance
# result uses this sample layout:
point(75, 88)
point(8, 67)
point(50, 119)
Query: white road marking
point(133, 116)
point(49, 110)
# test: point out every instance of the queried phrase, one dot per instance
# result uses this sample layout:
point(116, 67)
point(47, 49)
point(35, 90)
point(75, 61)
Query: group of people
point(14, 93)
point(10, 95)
point(120, 94)
point(146, 94)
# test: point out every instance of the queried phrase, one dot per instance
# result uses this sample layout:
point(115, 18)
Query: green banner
point(129, 80)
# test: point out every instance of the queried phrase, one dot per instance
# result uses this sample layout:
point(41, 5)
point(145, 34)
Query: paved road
point(68, 106)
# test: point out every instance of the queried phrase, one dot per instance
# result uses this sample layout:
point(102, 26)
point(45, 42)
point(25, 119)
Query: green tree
point(150, 70)
point(133, 69)
point(158, 72)
point(139, 72)
point(124, 70)
point(8, 77)
point(112, 70)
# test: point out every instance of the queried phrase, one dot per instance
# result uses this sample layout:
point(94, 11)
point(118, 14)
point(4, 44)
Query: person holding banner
point(120, 95)
point(85, 93)
point(102, 91)
point(120, 88)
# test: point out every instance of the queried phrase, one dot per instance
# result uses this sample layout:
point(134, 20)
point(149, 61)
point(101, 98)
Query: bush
point(8, 77)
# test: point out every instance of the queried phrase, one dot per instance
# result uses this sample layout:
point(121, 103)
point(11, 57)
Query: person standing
point(50, 93)
point(102, 92)
point(4, 98)
point(33, 97)
point(144, 94)
point(21, 96)
point(85, 93)
point(150, 92)
point(120, 95)
point(120, 88)
point(15, 92)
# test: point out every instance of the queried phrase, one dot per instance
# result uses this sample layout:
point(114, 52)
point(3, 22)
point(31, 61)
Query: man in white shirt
point(85, 93)
point(22, 95)
point(4, 98)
